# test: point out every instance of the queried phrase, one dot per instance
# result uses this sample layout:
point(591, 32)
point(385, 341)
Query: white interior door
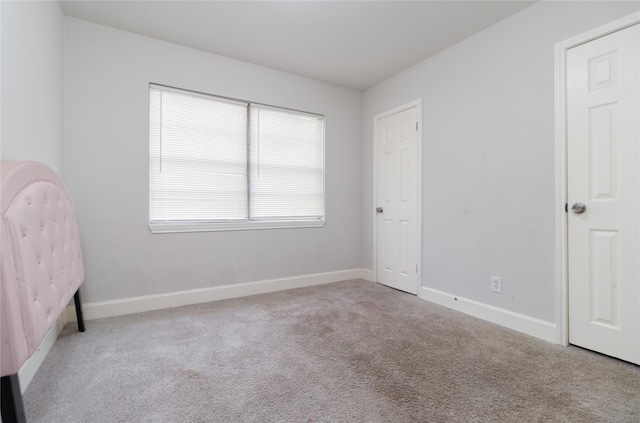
point(603, 150)
point(397, 196)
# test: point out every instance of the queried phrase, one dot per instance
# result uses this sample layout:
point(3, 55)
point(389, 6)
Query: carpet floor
point(346, 352)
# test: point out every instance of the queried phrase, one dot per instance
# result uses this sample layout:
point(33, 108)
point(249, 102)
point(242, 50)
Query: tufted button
point(39, 261)
point(24, 233)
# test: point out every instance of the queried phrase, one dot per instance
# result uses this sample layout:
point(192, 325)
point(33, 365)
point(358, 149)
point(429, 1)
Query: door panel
point(603, 151)
point(397, 235)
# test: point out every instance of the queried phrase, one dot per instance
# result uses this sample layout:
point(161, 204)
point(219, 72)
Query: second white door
point(603, 150)
point(397, 196)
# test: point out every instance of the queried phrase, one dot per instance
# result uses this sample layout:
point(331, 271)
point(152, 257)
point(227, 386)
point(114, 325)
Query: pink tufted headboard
point(41, 266)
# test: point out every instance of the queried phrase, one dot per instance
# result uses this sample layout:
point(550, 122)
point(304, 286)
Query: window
point(219, 164)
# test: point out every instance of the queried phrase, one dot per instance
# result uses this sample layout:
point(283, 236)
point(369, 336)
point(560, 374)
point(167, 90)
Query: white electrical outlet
point(496, 284)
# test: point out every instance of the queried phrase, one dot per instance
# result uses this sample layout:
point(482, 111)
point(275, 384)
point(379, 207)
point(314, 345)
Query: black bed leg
point(12, 405)
point(79, 315)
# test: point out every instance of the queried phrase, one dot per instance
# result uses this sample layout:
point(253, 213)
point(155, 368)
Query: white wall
point(107, 73)
point(32, 78)
point(488, 155)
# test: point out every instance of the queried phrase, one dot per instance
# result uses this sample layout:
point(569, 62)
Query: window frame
point(177, 226)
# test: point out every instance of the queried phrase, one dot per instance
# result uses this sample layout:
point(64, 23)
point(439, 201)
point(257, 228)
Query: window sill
point(165, 228)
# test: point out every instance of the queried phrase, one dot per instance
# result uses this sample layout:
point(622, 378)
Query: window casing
point(220, 164)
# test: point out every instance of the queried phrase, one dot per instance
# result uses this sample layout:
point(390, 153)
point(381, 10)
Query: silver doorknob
point(379, 210)
point(578, 208)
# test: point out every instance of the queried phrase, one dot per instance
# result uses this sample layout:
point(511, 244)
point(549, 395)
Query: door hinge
point(566, 207)
point(416, 268)
point(416, 126)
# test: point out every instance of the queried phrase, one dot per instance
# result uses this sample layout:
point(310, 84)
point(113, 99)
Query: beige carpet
point(351, 352)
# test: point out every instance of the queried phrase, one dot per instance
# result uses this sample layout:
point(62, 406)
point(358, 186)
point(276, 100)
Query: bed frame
point(41, 269)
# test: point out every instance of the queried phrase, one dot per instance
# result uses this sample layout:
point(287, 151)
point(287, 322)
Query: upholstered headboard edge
point(41, 260)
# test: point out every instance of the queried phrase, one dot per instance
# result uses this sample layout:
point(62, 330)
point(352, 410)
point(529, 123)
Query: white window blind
point(198, 157)
point(233, 164)
point(286, 164)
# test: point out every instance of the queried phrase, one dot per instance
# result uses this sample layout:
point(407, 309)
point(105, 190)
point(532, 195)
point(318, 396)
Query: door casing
point(418, 105)
point(562, 246)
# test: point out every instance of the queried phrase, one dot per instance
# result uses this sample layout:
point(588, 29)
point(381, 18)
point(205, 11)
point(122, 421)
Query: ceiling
point(354, 44)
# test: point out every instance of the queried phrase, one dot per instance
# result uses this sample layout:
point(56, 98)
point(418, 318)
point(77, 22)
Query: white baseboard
point(144, 303)
point(368, 275)
point(518, 322)
point(31, 366)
